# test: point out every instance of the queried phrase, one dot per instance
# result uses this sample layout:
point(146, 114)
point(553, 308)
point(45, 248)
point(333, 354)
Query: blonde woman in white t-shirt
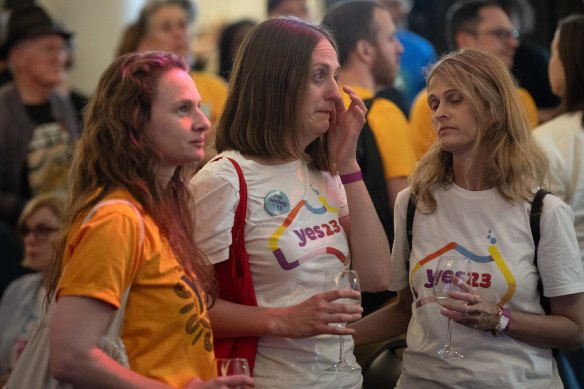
point(472, 193)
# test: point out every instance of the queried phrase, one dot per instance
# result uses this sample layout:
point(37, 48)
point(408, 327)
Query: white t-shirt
point(563, 140)
point(496, 236)
point(292, 236)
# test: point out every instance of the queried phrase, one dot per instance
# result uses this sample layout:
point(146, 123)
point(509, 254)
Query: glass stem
point(341, 348)
point(449, 338)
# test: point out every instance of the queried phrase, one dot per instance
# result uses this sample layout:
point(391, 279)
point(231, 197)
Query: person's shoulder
point(7, 92)
point(420, 99)
point(220, 169)
point(523, 92)
point(525, 96)
point(404, 195)
point(118, 202)
point(208, 79)
point(563, 122)
point(416, 41)
point(553, 203)
point(383, 102)
point(7, 88)
point(385, 113)
point(23, 284)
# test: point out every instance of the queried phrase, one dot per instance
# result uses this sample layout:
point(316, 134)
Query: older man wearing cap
point(37, 123)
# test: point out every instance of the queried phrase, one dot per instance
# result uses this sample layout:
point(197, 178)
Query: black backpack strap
point(410, 221)
point(372, 166)
point(411, 213)
point(361, 141)
point(368, 103)
point(534, 223)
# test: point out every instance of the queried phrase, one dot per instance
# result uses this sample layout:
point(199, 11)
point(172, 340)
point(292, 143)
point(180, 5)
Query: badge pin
point(276, 203)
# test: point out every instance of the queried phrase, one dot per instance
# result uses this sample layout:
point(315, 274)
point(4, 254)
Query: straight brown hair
point(262, 114)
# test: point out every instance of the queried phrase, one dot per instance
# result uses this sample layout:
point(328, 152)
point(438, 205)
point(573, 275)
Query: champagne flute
point(232, 366)
point(346, 279)
point(448, 269)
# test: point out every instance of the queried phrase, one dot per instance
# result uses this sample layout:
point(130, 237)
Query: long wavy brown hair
point(516, 164)
point(113, 152)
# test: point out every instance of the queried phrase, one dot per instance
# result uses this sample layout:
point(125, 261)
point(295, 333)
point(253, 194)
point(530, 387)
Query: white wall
point(98, 25)
point(229, 10)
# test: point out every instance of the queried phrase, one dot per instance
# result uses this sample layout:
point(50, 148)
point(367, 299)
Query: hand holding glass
point(451, 271)
point(347, 279)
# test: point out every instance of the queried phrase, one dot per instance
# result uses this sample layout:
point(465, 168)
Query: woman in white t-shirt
point(472, 193)
point(562, 138)
point(285, 125)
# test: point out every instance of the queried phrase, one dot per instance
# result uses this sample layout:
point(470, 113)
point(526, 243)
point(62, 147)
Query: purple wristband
point(351, 177)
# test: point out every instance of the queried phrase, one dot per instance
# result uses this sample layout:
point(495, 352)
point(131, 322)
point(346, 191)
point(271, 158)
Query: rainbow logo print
point(493, 257)
point(274, 239)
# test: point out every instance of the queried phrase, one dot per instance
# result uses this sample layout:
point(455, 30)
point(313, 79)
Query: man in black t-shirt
point(37, 123)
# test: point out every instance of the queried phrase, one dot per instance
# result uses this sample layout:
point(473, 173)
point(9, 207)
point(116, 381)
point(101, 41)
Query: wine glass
point(346, 279)
point(232, 366)
point(450, 273)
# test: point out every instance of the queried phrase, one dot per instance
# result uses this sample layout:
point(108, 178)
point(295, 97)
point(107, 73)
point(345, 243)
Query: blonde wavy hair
point(516, 164)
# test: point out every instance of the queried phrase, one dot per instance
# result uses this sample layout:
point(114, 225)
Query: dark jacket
point(16, 130)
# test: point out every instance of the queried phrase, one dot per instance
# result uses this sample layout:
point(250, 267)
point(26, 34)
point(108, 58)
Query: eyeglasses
point(40, 232)
point(503, 34)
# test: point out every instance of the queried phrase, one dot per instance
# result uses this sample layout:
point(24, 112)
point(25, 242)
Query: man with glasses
point(478, 24)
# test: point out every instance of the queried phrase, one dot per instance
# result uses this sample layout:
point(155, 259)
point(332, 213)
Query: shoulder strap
point(235, 280)
point(368, 102)
point(240, 212)
point(372, 165)
point(411, 213)
point(361, 141)
point(534, 216)
point(534, 223)
point(115, 325)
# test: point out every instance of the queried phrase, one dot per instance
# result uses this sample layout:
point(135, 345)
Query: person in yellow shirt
point(369, 54)
point(480, 24)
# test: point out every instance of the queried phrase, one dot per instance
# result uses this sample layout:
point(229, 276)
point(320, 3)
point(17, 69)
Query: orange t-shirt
point(166, 328)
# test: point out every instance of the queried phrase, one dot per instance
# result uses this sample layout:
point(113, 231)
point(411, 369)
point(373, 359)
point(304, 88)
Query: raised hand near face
point(344, 130)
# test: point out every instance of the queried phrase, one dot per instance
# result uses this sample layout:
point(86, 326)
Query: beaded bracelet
point(351, 177)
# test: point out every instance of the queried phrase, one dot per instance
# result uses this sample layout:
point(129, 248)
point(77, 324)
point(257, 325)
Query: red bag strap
point(237, 238)
point(234, 277)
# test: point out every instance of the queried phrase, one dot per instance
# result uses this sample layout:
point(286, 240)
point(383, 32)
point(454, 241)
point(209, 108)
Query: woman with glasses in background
point(22, 301)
